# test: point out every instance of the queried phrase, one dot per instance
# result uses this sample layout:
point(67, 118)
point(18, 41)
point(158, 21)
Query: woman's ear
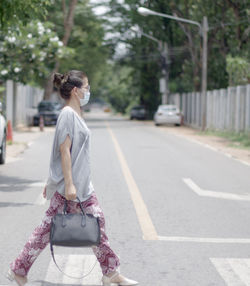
point(75, 89)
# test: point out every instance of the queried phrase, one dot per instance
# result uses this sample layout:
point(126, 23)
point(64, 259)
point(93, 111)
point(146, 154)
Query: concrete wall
point(227, 109)
point(21, 103)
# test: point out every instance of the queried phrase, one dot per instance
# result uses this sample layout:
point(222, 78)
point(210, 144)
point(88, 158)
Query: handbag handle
point(66, 204)
point(52, 250)
point(74, 277)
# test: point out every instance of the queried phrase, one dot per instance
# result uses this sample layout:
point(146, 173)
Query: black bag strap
point(66, 204)
point(52, 250)
point(52, 254)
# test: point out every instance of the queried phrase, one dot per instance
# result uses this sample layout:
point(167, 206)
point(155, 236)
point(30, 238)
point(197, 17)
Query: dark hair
point(66, 82)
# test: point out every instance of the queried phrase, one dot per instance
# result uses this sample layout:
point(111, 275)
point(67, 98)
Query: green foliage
point(19, 12)
point(238, 69)
point(27, 54)
point(87, 41)
point(228, 34)
point(115, 87)
point(237, 140)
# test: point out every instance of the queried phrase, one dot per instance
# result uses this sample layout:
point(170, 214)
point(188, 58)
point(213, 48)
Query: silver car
point(2, 137)
point(168, 114)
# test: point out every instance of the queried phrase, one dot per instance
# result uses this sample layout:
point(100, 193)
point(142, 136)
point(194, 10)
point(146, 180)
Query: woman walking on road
point(69, 177)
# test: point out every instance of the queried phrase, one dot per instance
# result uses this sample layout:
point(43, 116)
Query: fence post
point(247, 119)
point(193, 109)
point(183, 109)
point(237, 111)
point(233, 107)
point(209, 109)
point(189, 108)
point(224, 93)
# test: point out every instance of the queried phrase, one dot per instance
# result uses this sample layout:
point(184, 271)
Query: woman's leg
point(38, 239)
point(108, 260)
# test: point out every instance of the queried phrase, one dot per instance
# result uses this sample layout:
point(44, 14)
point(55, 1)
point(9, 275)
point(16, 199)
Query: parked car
point(50, 112)
point(168, 114)
point(138, 112)
point(3, 132)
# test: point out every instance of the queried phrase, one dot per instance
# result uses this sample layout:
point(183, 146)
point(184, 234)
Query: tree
point(26, 53)
point(68, 22)
point(238, 70)
point(228, 34)
point(20, 12)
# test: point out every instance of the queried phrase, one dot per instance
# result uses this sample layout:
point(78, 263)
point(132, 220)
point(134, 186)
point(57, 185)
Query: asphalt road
point(177, 213)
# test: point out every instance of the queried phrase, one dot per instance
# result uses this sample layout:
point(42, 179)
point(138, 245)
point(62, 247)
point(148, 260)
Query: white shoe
point(21, 281)
point(107, 281)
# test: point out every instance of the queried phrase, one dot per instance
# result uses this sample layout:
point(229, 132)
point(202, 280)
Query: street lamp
point(203, 31)
point(163, 49)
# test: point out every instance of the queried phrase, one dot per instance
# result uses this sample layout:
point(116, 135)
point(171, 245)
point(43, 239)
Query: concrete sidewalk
point(22, 139)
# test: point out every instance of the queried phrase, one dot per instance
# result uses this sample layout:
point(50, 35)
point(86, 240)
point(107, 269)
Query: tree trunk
point(68, 20)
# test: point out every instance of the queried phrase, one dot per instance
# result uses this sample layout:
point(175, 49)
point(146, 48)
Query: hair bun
point(57, 80)
point(65, 78)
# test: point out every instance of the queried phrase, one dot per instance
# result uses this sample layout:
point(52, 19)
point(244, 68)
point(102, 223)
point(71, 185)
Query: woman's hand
point(70, 192)
point(44, 192)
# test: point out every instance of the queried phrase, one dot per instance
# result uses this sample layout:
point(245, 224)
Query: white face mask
point(85, 100)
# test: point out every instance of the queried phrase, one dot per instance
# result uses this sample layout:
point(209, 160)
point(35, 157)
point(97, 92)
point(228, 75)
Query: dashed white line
point(212, 148)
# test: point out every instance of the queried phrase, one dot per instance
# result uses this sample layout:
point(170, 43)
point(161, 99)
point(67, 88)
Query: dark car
point(50, 112)
point(138, 112)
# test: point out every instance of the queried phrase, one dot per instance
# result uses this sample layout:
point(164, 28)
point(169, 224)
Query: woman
point(69, 177)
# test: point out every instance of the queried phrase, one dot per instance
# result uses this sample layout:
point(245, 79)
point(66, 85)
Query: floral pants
point(39, 239)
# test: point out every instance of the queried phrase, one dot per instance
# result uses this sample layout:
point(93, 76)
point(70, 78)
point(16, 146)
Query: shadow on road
point(14, 184)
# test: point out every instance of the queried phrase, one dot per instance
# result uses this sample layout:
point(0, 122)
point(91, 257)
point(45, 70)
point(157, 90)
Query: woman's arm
point(70, 190)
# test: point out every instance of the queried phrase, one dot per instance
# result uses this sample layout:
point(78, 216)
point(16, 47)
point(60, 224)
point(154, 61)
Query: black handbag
point(74, 230)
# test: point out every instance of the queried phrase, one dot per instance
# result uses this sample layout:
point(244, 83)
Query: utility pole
point(204, 72)
point(203, 29)
point(163, 50)
point(165, 72)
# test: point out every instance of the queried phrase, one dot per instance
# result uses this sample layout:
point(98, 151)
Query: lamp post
point(203, 30)
point(163, 49)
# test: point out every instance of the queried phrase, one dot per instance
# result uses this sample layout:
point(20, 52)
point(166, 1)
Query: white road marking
point(241, 267)
point(75, 265)
point(147, 227)
point(243, 162)
point(210, 147)
point(213, 194)
point(204, 239)
point(235, 271)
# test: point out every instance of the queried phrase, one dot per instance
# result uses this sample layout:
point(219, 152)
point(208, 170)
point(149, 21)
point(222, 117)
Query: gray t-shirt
point(70, 123)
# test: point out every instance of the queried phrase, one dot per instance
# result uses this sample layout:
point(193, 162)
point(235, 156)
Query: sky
point(99, 11)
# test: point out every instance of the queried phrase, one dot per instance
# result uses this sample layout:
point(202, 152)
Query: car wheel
point(157, 124)
point(131, 117)
point(3, 151)
point(177, 124)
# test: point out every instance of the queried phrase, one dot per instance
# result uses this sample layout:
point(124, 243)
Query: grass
point(238, 140)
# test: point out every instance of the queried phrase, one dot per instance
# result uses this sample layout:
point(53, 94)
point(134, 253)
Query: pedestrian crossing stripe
point(234, 271)
point(74, 265)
